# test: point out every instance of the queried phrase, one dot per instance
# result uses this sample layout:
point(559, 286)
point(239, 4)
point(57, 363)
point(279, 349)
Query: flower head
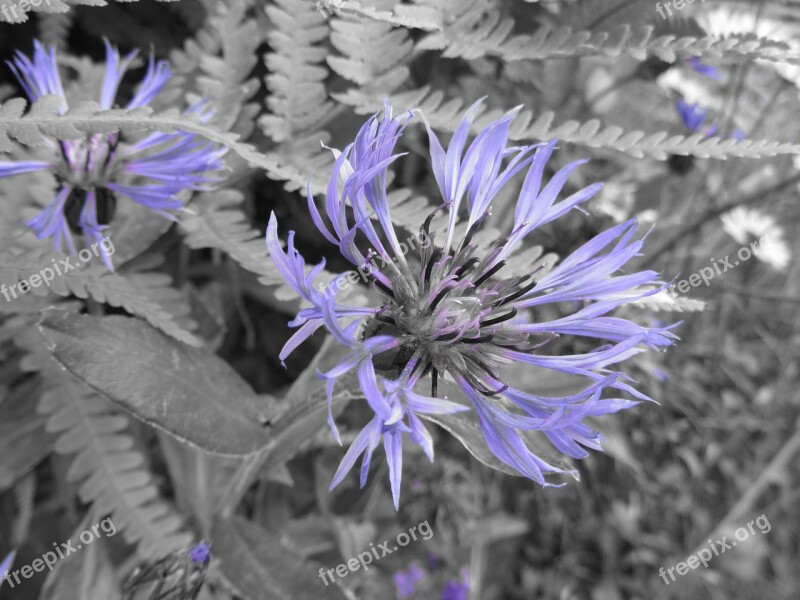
point(92, 173)
point(451, 309)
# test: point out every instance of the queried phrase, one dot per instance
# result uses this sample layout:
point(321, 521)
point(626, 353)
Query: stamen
point(384, 288)
point(489, 273)
point(467, 267)
point(513, 296)
point(495, 320)
point(479, 340)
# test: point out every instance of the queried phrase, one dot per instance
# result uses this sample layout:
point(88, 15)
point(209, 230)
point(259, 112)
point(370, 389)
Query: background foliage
point(154, 394)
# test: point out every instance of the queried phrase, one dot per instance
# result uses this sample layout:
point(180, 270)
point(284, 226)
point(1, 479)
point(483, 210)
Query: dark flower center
point(450, 313)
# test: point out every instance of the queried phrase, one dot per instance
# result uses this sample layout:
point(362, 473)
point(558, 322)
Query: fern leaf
point(475, 28)
point(218, 223)
point(373, 54)
point(138, 294)
point(54, 29)
point(403, 15)
point(298, 104)
point(43, 121)
point(445, 115)
point(107, 467)
point(224, 79)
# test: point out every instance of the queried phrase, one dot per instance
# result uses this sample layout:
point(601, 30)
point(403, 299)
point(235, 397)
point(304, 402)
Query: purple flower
point(456, 589)
point(92, 173)
point(452, 308)
point(698, 66)
point(406, 581)
point(692, 115)
point(738, 135)
point(5, 566)
point(201, 553)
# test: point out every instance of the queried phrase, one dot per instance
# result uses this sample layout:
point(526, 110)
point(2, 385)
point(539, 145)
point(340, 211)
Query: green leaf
point(189, 393)
point(259, 567)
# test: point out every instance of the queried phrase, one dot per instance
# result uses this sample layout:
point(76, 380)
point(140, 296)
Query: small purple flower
point(738, 135)
point(692, 115)
point(452, 308)
point(92, 173)
point(406, 581)
point(456, 589)
point(434, 562)
point(5, 566)
point(201, 553)
point(698, 66)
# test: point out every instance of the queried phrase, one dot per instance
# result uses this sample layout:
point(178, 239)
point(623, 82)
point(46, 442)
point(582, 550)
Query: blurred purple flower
point(454, 313)
point(696, 63)
point(738, 135)
point(5, 566)
point(456, 589)
point(201, 553)
point(692, 115)
point(434, 562)
point(92, 172)
point(406, 581)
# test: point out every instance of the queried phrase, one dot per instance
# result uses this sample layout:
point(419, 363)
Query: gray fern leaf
point(144, 295)
point(108, 469)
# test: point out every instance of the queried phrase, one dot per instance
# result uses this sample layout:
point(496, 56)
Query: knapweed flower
point(453, 310)
point(693, 117)
point(92, 173)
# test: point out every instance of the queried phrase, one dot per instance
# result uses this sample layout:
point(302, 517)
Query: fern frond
point(298, 102)
point(43, 121)
point(224, 79)
point(373, 54)
point(107, 467)
point(475, 28)
point(11, 11)
point(445, 115)
point(138, 294)
point(54, 29)
point(218, 223)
